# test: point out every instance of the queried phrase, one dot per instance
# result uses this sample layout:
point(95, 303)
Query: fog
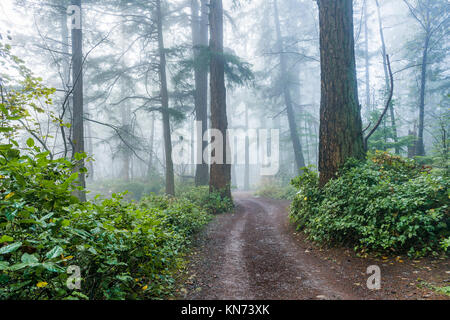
point(123, 122)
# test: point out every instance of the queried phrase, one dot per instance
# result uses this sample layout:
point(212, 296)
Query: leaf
point(10, 248)
point(29, 258)
point(22, 265)
point(4, 265)
point(50, 266)
point(6, 238)
point(55, 252)
point(30, 143)
point(65, 223)
point(72, 177)
point(9, 195)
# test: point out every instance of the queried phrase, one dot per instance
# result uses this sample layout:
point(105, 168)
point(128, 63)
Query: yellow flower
point(144, 288)
point(42, 284)
point(9, 195)
point(306, 198)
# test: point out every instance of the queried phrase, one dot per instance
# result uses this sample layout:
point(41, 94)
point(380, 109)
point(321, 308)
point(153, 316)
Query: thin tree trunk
point(125, 116)
point(78, 112)
point(247, 155)
point(366, 56)
point(386, 77)
point(90, 149)
point(420, 148)
point(152, 138)
point(170, 179)
point(200, 41)
point(340, 114)
point(298, 153)
point(220, 174)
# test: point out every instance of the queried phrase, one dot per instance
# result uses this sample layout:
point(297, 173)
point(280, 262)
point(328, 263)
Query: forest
point(224, 149)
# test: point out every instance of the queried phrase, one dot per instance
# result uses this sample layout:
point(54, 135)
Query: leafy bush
point(274, 190)
point(383, 204)
point(136, 189)
point(212, 202)
point(123, 250)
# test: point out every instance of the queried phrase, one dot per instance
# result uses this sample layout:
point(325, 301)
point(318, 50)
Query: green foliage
point(212, 202)
point(274, 190)
point(237, 71)
point(385, 204)
point(124, 250)
point(135, 189)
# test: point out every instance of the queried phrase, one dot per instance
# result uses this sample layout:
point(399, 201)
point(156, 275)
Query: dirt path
point(255, 254)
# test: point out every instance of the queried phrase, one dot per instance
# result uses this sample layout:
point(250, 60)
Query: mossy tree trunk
point(340, 114)
point(220, 173)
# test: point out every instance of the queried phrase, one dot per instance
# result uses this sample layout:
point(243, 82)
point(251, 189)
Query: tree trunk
point(247, 154)
point(170, 179)
point(298, 153)
point(220, 174)
point(152, 138)
point(78, 113)
point(90, 149)
point(125, 115)
point(340, 114)
point(366, 57)
point(420, 148)
point(200, 41)
point(386, 77)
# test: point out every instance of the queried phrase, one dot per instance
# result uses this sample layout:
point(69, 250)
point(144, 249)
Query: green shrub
point(135, 189)
point(385, 204)
point(124, 250)
point(212, 202)
point(274, 190)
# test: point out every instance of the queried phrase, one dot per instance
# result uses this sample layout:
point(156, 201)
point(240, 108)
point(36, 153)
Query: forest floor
point(255, 253)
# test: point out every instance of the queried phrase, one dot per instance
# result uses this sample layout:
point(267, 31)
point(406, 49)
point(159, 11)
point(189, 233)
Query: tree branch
point(388, 103)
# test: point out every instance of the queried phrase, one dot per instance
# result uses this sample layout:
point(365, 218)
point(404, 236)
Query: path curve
point(251, 255)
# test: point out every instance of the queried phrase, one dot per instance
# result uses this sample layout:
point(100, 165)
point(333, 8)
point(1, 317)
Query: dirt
point(255, 253)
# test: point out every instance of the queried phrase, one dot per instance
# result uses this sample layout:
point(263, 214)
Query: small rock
point(321, 297)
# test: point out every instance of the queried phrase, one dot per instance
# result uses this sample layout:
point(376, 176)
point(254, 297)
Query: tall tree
point(170, 179)
point(340, 114)
point(386, 78)
point(298, 153)
point(77, 92)
point(366, 54)
point(431, 16)
point(200, 42)
point(220, 173)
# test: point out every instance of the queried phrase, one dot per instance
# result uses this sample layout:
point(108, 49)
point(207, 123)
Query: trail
point(251, 255)
point(255, 253)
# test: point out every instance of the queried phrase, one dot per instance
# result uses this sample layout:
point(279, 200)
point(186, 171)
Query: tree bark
point(340, 114)
point(170, 179)
point(200, 40)
point(78, 112)
point(220, 174)
point(298, 152)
